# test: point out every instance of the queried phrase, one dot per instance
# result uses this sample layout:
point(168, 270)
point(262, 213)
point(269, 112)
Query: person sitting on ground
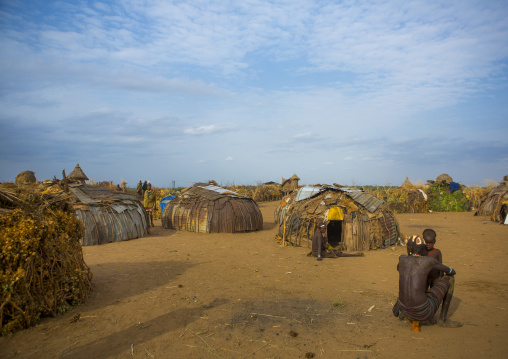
point(429, 237)
point(320, 246)
point(150, 202)
point(415, 301)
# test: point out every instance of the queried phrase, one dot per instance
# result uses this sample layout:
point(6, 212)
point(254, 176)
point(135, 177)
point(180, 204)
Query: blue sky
point(243, 92)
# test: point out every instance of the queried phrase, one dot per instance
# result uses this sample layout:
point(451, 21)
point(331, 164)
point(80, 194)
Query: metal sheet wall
point(104, 224)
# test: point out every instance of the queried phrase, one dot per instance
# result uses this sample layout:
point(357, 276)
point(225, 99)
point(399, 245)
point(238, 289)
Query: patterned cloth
point(427, 310)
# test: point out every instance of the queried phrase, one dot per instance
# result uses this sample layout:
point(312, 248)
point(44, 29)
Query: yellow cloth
point(150, 199)
point(335, 214)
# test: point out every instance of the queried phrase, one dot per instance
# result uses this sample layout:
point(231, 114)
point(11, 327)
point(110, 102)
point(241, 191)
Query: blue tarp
point(165, 201)
point(454, 186)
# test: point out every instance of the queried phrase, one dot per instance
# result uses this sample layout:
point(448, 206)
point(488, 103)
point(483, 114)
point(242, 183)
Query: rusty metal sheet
point(82, 196)
point(370, 202)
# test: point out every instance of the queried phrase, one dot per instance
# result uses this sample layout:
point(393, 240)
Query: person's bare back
point(415, 301)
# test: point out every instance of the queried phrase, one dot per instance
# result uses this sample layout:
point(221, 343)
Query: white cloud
point(209, 129)
point(295, 81)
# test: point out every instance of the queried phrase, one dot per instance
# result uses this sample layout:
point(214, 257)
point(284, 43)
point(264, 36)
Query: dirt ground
point(185, 295)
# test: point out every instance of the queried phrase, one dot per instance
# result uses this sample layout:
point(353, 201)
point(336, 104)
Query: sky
point(251, 91)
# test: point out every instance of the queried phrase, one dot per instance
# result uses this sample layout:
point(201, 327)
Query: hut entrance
point(334, 233)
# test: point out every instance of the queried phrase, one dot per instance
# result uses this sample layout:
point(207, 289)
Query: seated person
point(415, 245)
point(415, 301)
point(429, 237)
point(320, 246)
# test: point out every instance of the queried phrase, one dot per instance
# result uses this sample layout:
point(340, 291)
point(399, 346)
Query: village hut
point(409, 200)
point(289, 185)
point(406, 184)
point(26, 177)
point(207, 208)
point(355, 220)
point(108, 215)
point(77, 175)
point(495, 204)
point(444, 179)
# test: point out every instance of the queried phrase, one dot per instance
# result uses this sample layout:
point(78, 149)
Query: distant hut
point(495, 204)
point(356, 220)
point(412, 199)
point(289, 185)
point(406, 183)
point(207, 208)
point(77, 175)
point(26, 177)
point(444, 179)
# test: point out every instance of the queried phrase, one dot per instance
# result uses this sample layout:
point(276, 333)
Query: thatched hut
point(77, 175)
point(108, 215)
point(406, 184)
point(356, 220)
point(495, 204)
point(207, 208)
point(26, 177)
point(444, 178)
point(289, 185)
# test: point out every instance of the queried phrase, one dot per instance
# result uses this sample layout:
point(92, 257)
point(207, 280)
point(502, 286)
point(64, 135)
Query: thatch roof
point(208, 208)
point(77, 175)
point(444, 178)
point(407, 183)
point(26, 177)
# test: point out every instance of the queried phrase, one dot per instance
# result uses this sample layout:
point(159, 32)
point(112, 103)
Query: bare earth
point(186, 295)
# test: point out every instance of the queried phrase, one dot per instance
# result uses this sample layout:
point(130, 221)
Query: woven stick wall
point(362, 229)
point(207, 208)
point(491, 205)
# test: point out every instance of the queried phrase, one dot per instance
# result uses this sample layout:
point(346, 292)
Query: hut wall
point(361, 229)
point(492, 204)
point(223, 215)
point(106, 224)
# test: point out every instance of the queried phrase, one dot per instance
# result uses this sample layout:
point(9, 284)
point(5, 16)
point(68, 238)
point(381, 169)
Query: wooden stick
point(268, 315)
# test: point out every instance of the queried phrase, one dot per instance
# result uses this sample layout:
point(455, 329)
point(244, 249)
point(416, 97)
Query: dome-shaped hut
point(356, 220)
point(26, 177)
point(495, 204)
point(207, 208)
point(108, 215)
point(444, 178)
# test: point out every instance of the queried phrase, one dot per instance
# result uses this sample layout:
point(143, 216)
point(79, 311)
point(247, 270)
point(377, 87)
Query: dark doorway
point(334, 233)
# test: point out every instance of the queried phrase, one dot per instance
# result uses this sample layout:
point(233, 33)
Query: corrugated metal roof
point(370, 202)
point(307, 192)
point(83, 197)
point(220, 190)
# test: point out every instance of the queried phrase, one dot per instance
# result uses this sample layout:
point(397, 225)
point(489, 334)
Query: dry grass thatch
point(26, 177)
point(42, 271)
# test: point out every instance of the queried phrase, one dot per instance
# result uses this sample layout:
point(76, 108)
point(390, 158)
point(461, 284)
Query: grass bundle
point(42, 270)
